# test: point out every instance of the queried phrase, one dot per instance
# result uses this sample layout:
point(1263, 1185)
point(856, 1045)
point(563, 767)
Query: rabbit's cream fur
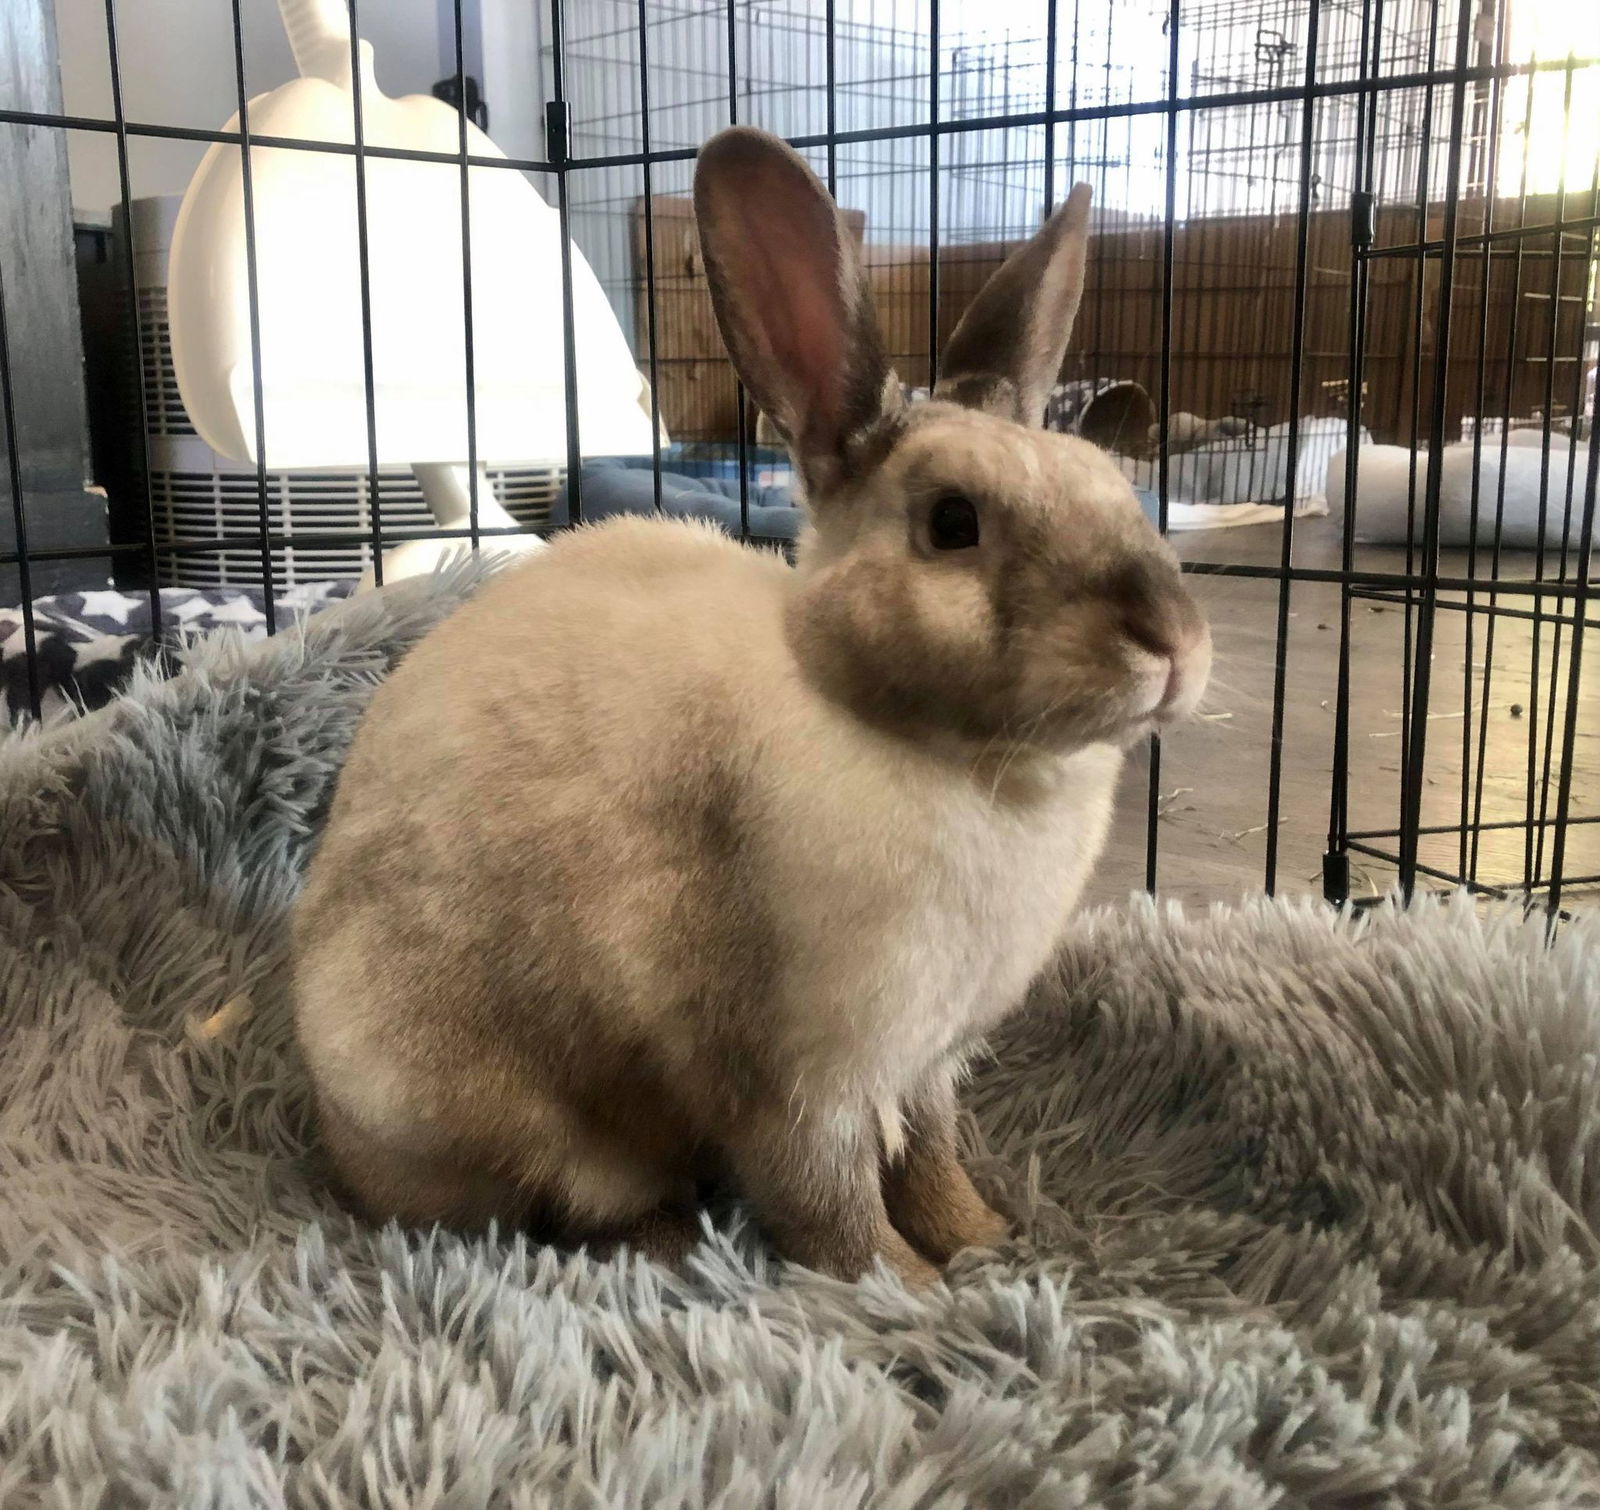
point(910, 895)
point(661, 861)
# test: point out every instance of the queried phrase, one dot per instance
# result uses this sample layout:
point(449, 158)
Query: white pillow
point(1383, 482)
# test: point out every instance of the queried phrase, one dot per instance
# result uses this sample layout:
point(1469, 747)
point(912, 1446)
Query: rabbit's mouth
point(1163, 688)
point(1177, 679)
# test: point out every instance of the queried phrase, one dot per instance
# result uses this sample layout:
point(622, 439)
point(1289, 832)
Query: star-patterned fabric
point(87, 643)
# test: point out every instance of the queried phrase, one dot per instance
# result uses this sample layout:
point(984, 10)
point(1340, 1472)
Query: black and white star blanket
point(87, 643)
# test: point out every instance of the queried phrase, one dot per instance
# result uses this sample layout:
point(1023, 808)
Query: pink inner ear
point(789, 266)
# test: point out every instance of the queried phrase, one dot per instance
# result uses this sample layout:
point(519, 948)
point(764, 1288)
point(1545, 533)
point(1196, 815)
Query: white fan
point(308, 273)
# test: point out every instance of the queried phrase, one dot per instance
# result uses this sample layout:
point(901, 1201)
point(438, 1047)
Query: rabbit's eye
point(953, 524)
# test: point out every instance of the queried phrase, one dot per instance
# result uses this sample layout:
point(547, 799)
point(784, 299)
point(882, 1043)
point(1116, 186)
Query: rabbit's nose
point(1150, 632)
point(1174, 686)
point(1171, 635)
point(1153, 610)
point(1188, 668)
point(1164, 625)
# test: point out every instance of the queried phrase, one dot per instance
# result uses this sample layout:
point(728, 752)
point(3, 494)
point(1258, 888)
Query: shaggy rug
point(1307, 1203)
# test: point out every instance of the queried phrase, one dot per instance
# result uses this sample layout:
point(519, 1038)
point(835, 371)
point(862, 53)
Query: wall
point(1232, 319)
point(881, 61)
point(514, 82)
point(45, 359)
point(177, 69)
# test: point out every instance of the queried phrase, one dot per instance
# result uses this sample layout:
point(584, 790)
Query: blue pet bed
point(626, 487)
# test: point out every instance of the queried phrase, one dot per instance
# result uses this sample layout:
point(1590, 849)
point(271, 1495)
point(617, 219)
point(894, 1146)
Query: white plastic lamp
point(312, 359)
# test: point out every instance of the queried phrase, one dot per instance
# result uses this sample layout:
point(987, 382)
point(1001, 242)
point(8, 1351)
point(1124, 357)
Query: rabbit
point(662, 862)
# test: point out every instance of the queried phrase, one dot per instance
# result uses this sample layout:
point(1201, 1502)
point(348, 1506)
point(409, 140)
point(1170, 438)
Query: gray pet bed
point(1307, 1204)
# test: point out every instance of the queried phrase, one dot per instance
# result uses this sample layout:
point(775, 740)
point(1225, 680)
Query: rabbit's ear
point(791, 298)
point(1006, 352)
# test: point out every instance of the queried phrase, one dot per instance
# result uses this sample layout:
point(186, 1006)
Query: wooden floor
point(1213, 790)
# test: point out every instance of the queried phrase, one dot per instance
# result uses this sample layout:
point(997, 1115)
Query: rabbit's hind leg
point(533, 1164)
point(419, 1186)
point(813, 1180)
point(930, 1198)
point(665, 1235)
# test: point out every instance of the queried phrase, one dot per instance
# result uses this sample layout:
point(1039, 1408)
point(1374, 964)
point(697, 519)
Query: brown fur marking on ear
point(782, 322)
point(1006, 352)
point(790, 297)
point(989, 392)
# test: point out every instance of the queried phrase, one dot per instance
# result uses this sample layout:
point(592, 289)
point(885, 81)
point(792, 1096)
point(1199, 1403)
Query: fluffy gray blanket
point(1308, 1203)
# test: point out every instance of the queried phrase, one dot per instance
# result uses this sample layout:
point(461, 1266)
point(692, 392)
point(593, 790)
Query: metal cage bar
point(1400, 114)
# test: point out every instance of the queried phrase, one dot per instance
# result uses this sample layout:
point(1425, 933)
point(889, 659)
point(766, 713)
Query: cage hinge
point(1363, 219)
point(1336, 877)
point(557, 130)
